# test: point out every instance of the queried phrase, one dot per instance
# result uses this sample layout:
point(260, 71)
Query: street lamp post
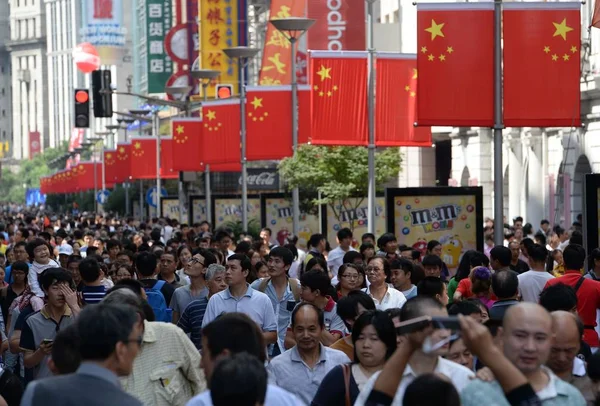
point(205, 76)
point(243, 55)
point(293, 28)
point(127, 121)
point(103, 184)
point(179, 92)
point(141, 113)
point(371, 112)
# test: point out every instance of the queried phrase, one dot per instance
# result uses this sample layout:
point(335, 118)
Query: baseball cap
point(65, 249)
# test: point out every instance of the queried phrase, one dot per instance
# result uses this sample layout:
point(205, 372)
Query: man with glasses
point(110, 338)
point(197, 289)
point(284, 292)
point(20, 254)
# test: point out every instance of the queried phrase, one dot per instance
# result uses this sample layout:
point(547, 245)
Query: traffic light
point(101, 93)
point(224, 91)
point(82, 108)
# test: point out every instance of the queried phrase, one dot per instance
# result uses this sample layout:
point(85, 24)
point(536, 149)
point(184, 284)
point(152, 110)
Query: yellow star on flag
point(435, 29)
point(431, 57)
point(324, 73)
point(257, 102)
point(412, 94)
point(573, 49)
point(179, 129)
point(449, 50)
point(562, 29)
point(211, 115)
point(415, 75)
point(122, 150)
point(555, 57)
point(546, 49)
point(565, 57)
point(442, 57)
point(108, 156)
point(407, 88)
point(424, 50)
point(138, 145)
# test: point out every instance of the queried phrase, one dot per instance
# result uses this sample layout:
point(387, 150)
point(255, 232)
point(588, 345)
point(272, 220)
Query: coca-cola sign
point(262, 179)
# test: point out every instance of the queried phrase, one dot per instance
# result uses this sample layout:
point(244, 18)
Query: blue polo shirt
point(255, 304)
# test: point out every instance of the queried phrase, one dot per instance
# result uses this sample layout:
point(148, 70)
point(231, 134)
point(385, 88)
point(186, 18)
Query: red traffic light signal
point(224, 91)
point(82, 108)
point(81, 96)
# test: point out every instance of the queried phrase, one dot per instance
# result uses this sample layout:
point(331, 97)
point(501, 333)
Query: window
point(3, 91)
point(3, 113)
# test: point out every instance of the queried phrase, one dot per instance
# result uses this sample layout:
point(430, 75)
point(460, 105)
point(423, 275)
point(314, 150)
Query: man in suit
point(110, 338)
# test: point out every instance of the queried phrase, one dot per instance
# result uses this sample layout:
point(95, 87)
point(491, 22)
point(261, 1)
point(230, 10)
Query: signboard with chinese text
point(103, 28)
point(451, 215)
point(219, 29)
point(158, 22)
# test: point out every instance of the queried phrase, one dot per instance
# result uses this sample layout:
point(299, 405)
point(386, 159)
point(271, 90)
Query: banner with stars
point(143, 158)
point(187, 144)
point(110, 165)
point(269, 121)
point(455, 61)
point(167, 159)
point(338, 82)
point(542, 42)
point(221, 132)
point(396, 102)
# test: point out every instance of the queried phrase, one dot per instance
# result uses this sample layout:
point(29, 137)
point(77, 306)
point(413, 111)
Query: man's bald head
point(566, 343)
point(518, 313)
point(565, 323)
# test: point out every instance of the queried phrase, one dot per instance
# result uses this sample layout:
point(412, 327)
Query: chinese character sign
point(158, 22)
point(219, 29)
point(103, 28)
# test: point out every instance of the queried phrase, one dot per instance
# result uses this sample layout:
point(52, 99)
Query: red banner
point(187, 137)
point(111, 166)
point(123, 156)
point(396, 102)
point(82, 177)
point(143, 158)
point(221, 132)
point(542, 74)
point(455, 43)
point(340, 25)
point(339, 98)
point(35, 145)
point(167, 159)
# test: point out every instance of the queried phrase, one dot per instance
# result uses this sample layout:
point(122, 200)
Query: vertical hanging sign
point(158, 22)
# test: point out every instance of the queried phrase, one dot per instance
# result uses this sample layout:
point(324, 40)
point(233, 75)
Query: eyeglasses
point(138, 340)
point(373, 269)
point(196, 261)
point(351, 276)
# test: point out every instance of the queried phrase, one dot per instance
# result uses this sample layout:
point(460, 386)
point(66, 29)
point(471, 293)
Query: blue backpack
point(157, 302)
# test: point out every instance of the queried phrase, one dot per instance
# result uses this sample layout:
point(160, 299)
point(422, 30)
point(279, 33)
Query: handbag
point(346, 370)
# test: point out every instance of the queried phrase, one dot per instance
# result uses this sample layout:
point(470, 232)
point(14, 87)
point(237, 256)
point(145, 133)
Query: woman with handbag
point(374, 339)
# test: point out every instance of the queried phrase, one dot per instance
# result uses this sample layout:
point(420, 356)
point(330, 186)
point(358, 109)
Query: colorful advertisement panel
point(170, 209)
point(103, 28)
point(353, 213)
point(452, 216)
point(340, 25)
point(277, 215)
point(159, 19)
point(198, 209)
point(219, 29)
point(228, 210)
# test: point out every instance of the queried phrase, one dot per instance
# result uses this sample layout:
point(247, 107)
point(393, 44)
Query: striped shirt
point(191, 320)
point(93, 294)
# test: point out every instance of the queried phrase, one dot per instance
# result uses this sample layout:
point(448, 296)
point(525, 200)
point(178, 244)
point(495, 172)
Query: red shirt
point(588, 300)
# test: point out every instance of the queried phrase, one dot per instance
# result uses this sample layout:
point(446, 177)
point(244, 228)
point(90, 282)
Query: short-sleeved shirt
point(588, 300)
point(283, 308)
point(191, 320)
point(253, 303)
point(393, 299)
point(40, 326)
point(531, 284)
point(93, 294)
point(520, 268)
point(290, 372)
point(275, 396)
point(183, 296)
point(333, 323)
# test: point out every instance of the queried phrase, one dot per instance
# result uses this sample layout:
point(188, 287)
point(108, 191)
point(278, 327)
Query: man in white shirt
point(335, 257)
point(531, 283)
point(429, 358)
point(221, 339)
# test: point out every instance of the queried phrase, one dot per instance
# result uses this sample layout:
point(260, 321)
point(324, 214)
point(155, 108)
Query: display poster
point(451, 220)
point(355, 211)
point(229, 210)
point(170, 209)
point(278, 217)
point(198, 207)
point(158, 23)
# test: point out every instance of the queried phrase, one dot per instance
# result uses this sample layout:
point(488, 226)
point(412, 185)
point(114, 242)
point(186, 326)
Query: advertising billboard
point(353, 214)
point(159, 19)
point(277, 215)
point(229, 210)
point(103, 28)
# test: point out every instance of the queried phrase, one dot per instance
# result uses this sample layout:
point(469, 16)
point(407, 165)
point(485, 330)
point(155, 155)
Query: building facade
point(5, 84)
point(27, 47)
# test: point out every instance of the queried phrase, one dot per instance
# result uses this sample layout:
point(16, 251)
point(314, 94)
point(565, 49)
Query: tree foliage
point(338, 173)
point(27, 175)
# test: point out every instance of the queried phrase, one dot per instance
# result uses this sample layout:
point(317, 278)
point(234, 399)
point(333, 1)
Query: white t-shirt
point(531, 284)
point(275, 397)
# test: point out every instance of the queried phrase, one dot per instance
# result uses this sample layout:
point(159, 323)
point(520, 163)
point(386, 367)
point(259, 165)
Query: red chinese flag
point(338, 98)
point(143, 158)
point(123, 155)
point(455, 44)
point(221, 132)
point(166, 159)
point(395, 102)
point(596, 15)
point(83, 176)
point(268, 122)
point(542, 73)
point(187, 139)
point(111, 166)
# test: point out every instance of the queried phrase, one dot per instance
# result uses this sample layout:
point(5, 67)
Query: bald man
point(527, 337)
point(563, 354)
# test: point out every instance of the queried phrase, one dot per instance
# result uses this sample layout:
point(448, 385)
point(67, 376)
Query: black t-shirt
point(6, 301)
point(332, 391)
point(520, 267)
point(167, 290)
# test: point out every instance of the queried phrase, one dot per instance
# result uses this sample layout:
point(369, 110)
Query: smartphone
point(446, 323)
point(47, 341)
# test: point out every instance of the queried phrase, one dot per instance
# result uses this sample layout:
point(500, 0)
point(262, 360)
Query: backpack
point(293, 283)
point(157, 302)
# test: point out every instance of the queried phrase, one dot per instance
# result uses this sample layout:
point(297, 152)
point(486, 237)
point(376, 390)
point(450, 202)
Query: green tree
point(338, 173)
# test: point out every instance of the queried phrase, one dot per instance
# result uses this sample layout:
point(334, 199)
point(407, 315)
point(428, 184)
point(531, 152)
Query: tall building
point(27, 47)
point(5, 85)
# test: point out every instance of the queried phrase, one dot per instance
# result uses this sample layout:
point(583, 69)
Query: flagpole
point(296, 190)
point(498, 126)
point(155, 133)
point(371, 111)
point(207, 195)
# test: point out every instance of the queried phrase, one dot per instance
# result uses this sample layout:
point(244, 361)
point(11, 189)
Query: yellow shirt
point(166, 371)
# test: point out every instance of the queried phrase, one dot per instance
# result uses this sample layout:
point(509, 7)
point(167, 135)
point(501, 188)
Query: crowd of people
point(106, 311)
